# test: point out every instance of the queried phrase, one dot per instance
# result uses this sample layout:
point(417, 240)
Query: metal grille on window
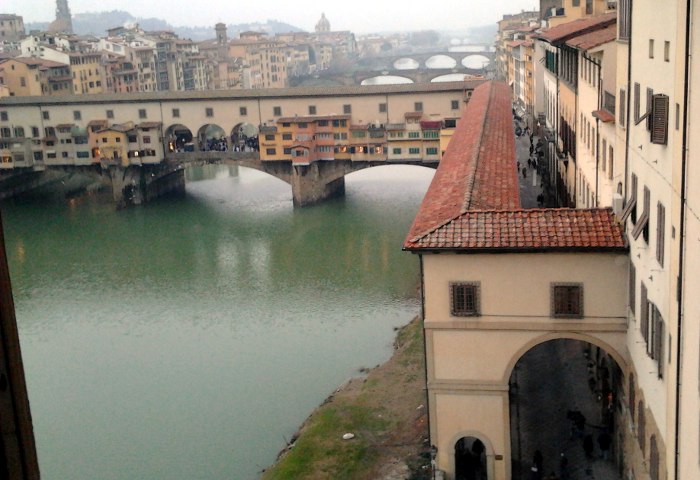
point(465, 301)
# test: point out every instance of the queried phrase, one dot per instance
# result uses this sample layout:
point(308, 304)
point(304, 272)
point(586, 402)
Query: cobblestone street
point(552, 379)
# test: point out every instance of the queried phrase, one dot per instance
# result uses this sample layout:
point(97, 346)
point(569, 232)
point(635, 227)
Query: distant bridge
point(388, 62)
point(415, 76)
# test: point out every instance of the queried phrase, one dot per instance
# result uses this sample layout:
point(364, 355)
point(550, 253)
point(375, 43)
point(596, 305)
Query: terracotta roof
point(594, 39)
point(565, 31)
point(245, 94)
point(149, 125)
point(604, 116)
point(527, 230)
point(478, 169)
point(312, 118)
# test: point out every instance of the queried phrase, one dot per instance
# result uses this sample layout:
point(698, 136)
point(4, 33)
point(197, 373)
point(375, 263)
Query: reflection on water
point(188, 338)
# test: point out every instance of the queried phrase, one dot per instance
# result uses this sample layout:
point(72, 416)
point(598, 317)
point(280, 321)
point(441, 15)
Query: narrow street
point(552, 379)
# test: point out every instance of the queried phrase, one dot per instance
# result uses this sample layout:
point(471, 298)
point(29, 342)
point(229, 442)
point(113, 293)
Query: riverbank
point(384, 410)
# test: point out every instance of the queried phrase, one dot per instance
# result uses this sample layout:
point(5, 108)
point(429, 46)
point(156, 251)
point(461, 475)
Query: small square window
point(176, 113)
point(243, 111)
point(142, 113)
point(45, 115)
point(110, 113)
point(464, 299)
point(312, 109)
point(3, 116)
point(76, 115)
point(455, 104)
point(209, 112)
point(277, 111)
point(347, 109)
point(382, 108)
point(418, 106)
point(567, 300)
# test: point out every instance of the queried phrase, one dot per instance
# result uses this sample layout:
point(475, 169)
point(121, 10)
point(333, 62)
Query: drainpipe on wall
point(597, 130)
point(682, 227)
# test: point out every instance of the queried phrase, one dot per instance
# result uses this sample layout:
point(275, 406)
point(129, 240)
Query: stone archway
point(562, 397)
point(472, 456)
point(178, 138)
point(244, 136)
point(212, 137)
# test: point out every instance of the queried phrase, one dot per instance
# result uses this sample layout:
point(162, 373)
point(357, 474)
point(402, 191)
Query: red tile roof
point(478, 169)
point(594, 39)
point(526, 230)
point(565, 31)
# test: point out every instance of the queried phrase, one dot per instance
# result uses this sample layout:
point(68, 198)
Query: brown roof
point(565, 31)
point(534, 229)
point(149, 125)
point(312, 118)
point(478, 168)
point(40, 62)
point(594, 39)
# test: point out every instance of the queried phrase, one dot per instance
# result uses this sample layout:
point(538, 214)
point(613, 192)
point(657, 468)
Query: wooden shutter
point(659, 119)
point(649, 107)
point(644, 313)
point(623, 107)
point(660, 232)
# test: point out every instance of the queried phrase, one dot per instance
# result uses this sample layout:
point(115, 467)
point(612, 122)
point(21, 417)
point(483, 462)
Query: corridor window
point(567, 300)
point(464, 299)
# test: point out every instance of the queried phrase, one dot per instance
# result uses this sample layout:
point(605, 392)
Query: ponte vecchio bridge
point(142, 142)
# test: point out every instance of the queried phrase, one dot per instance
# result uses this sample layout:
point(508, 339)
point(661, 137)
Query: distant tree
point(424, 38)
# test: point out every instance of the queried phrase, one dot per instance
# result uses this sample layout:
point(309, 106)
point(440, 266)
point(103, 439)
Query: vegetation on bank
point(384, 411)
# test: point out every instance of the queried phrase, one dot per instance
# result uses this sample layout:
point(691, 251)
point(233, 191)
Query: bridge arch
point(245, 136)
point(406, 63)
point(440, 61)
point(452, 77)
point(386, 80)
point(475, 61)
point(211, 137)
point(178, 138)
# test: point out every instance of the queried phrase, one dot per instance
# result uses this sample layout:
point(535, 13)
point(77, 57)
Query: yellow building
point(35, 76)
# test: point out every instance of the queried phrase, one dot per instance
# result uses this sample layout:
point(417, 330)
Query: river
point(188, 339)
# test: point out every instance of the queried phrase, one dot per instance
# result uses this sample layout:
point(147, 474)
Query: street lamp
point(433, 454)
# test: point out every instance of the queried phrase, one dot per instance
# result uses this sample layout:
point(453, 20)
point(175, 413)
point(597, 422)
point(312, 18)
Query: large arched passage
point(178, 138)
point(386, 80)
point(441, 61)
point(564, 397)
point(244, 137)
point(406, 63)
point(212, 137)
point(470, 459)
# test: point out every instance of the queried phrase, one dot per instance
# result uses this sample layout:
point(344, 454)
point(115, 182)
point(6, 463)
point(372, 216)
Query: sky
point(359, 16)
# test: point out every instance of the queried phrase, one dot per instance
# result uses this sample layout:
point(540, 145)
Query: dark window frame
point(460, 303)
point(566, 300)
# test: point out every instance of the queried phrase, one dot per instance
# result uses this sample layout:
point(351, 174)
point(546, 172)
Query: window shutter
point(649, 107)
point(637, 88)
point(659, 121)
point(660, 232)
point(644, 313)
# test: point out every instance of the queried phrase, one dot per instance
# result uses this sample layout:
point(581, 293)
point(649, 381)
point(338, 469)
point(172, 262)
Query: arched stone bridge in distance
point(311, 183)
point(388, 62)
point(416, 76)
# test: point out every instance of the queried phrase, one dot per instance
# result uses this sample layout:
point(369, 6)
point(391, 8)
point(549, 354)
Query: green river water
point(188, 339)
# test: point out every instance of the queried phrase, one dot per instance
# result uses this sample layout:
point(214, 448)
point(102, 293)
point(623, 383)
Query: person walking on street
point(604, 441)
point(537, 460)
point(588, 446)
point(524, 172)
point(563, 467)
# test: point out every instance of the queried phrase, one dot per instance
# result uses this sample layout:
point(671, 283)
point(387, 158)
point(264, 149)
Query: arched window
point(653, 459)
point(641, 426)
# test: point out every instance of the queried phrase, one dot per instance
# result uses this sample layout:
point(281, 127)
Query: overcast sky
point(360, 16)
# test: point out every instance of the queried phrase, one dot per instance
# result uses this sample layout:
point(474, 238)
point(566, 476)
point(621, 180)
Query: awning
point(604, 116)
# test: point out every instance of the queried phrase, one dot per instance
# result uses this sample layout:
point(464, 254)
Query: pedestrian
point(604, 441)
point(537, 460)
point(524, 172)
point(535, 474)
point(563, 467)
point(518, 164)
point(529, 163)
point(588, 446)
point(540, 200)
point(532, 149)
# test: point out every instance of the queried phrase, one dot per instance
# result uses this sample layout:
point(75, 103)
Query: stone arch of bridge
point(178, 138)
point(211, 136)
point(244, 134)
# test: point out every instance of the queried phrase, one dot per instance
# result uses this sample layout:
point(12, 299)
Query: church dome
point(323, 25)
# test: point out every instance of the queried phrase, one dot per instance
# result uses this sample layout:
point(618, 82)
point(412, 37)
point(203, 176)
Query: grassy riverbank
point(384, 410)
